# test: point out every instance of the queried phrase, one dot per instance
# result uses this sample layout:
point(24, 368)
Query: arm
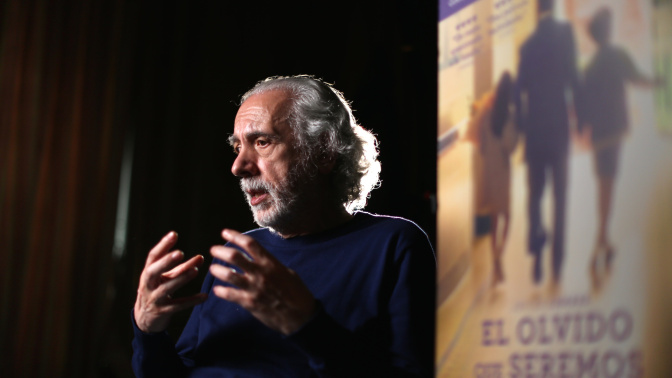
point(153, 350)
point(509, 137)
point(520, 94)
point(154, 355)
point(574, 108)
point(634, 75)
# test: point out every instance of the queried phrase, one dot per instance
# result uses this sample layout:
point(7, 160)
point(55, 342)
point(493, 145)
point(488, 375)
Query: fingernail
point(177, 254)
point(225, 233)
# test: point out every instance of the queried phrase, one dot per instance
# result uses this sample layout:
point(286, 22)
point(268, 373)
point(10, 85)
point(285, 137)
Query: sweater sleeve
point(154, 354)
point(408, 348)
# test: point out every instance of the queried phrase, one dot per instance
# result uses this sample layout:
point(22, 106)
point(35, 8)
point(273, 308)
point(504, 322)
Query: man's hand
point(271, 292)
point(160, 278)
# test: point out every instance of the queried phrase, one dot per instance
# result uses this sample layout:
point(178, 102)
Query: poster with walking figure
point(554, 181)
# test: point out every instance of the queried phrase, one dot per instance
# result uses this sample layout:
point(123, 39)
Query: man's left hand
point(271, 292)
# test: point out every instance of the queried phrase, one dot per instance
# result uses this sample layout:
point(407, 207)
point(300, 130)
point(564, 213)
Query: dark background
point(174, 72)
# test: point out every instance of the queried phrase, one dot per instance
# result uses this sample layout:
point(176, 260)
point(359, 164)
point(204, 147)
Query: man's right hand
point(160, 278)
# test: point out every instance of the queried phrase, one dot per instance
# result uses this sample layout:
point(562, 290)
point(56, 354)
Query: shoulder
point(526, 46)
point(394, 230)
point(387, 221)
point(261, 235)
point(258, 232)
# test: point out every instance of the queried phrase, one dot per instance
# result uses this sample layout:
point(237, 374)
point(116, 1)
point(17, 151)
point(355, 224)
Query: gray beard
point(279, 212)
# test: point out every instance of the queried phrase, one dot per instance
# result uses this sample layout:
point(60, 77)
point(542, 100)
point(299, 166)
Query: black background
point(190, 62)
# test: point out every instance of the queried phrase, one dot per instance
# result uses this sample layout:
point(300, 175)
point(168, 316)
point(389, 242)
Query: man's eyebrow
point(253, 135)
point(233, 140)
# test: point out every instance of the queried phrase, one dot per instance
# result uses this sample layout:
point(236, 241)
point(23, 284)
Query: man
point(320, 290)
point(546, 75)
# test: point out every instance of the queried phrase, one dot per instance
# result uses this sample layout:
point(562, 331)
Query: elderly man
point(321, 289)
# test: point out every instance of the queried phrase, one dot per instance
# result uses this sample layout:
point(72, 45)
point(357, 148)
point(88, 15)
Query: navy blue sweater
point(374, 279)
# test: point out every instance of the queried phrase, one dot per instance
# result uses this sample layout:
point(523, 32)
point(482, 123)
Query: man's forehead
point(274, 104)
point(263, 112)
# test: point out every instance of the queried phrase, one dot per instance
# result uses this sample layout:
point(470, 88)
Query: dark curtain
point(59, 157)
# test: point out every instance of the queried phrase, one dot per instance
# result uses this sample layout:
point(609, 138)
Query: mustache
point(255, 184)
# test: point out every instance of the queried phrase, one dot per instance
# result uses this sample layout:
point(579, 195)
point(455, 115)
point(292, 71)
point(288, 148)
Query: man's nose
point(244, 165)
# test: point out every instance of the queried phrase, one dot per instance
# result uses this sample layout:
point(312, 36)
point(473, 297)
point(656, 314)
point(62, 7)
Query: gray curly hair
point(323, 125)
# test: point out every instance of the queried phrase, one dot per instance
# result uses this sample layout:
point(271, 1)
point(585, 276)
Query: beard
point(282, 206)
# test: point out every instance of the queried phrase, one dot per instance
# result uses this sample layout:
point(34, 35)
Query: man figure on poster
point(547, 78)
point(321, 290)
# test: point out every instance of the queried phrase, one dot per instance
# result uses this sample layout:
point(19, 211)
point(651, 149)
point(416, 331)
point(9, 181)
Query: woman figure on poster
point(605, 114)
point(494, 134)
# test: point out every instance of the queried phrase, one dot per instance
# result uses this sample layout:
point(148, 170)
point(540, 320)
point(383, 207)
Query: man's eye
point(262, 142)
point(236, 149)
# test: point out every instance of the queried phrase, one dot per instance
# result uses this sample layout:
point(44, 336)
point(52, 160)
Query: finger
point(226, 274)
point(247, 243)
point(162, 247)
point(232, 294)
point(172, 285)
point(233, 257)
point(167, 262)
point(183, 303)
point(193, 262)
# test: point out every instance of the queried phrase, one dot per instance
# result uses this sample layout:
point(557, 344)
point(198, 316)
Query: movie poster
point(554, 188)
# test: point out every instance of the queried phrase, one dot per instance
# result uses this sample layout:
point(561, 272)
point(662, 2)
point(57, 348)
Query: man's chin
point(273, 218)
point(263, 216)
